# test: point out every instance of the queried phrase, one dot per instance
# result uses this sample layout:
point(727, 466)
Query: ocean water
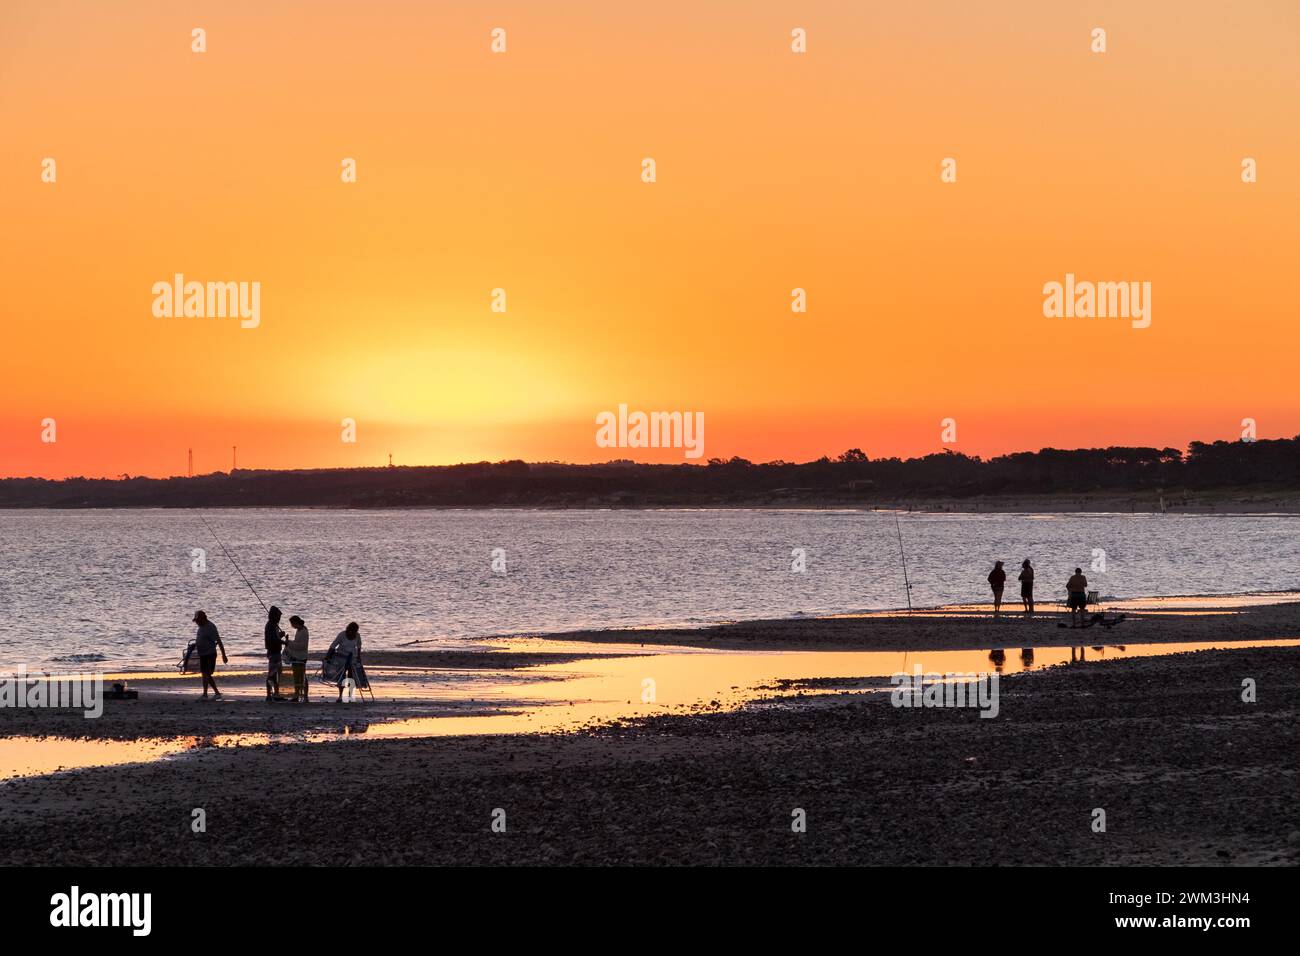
point(118, 588)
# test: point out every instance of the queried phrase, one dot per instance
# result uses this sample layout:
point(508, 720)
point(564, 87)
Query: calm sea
point(119, 587)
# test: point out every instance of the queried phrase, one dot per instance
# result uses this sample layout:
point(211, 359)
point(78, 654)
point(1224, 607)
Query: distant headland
point(1239, 476)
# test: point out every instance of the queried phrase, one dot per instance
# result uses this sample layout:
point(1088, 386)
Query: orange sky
point(522, 171)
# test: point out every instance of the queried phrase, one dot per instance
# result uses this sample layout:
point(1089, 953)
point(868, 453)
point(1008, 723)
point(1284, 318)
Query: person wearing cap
point(274, 638)
point(297, 647)
point(347, 644)
point(206, 643)
point(1027, 587)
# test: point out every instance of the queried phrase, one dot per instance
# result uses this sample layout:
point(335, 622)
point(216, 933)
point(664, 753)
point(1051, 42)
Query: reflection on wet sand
point(35, 756)
point(557, 697)
point(614, 689)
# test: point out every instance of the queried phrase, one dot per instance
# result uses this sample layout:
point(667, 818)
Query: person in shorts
point(206, 643)
point(274, 639)
point(1076, 590)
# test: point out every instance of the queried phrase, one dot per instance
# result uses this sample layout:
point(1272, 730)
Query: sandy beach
point(1228, 618)
point(1185, 771)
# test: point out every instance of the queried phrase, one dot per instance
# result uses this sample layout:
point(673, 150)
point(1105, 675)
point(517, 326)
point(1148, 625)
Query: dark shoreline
point(1186, 772)
point(1239, 476)
point(1285, 505)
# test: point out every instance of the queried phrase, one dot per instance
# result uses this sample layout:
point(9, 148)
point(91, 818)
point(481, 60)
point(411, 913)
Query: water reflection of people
point(998, 658)
point(1099, 649)
point(1027, 657)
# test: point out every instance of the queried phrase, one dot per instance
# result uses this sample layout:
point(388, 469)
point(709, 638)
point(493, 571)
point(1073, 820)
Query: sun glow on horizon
point(521, 172)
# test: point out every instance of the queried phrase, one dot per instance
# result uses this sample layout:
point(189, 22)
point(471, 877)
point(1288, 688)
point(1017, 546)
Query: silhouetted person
point(1027, 587)
point(998, 658)
point(997, 581)
point(347, 645)
point(274, 640)
point(206, 643)
point(297, 647)
point(1076, 590)
point(1027, 657)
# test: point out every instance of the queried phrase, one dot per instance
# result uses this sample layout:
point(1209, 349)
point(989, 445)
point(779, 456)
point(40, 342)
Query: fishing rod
point(899, 528)
point(230, 558)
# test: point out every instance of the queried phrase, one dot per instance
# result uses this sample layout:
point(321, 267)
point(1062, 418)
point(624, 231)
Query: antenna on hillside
point(390, 459)
point(234, 458)
point(190, 467)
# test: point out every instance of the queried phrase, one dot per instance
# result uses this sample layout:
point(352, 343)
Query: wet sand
point(1184, 769)
point(1151, 621)
point(170, 705)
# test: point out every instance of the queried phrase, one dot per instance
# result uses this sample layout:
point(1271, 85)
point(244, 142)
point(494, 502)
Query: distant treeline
point(852, 478)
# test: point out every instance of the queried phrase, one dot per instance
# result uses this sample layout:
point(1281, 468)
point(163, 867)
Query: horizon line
point(711, 462)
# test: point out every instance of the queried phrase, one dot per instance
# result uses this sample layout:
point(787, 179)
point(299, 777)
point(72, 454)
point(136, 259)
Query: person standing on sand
point(348, 645)
point(1027, 587)
point(1076, 590)
point(297, 647)
point(274, 638)
point(206, 642)
point(997, 581)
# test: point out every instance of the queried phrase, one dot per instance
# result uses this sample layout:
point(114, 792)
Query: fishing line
point(899, 528)
point(230, 558)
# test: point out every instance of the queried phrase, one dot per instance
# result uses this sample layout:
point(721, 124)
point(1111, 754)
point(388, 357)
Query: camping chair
point(362, 681)
point(189, 663)
point(332, 671)
point(1094, 601)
